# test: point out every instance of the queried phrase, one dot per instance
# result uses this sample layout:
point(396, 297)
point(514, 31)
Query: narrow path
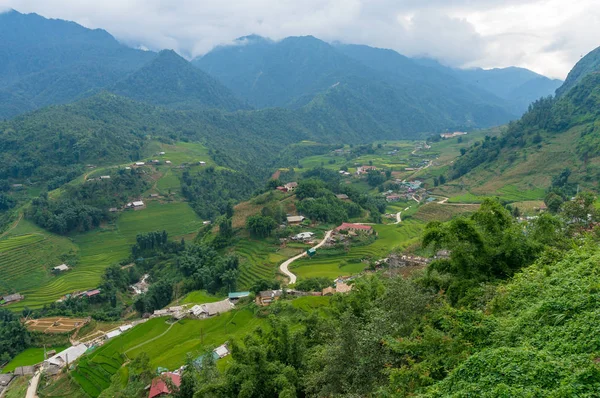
point(284, 266)
point(398, 219)
point(151, 340)
point(33, 384)
point(13, 226)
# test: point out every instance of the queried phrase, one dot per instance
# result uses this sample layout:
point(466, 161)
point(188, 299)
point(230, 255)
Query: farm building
point(139, 164)
point(91, 293)
point(61, 268)
point(136, 205)
point(354, 228)
point(328, 291)
point(295, 219)
point(159, 387)
point(167, 162)
point(67, 356)
point(266, 297)
point(113, 210)
point(282, 189)
point(342, 196)
point(154, 195)
point(202, 163)
point(211, 309)
point(112, 334)
point(12, 298)
point(24, 370)
point(161, 153)
point(105, 177)
point(125, 327)
point(342, 287)
point(222, 351)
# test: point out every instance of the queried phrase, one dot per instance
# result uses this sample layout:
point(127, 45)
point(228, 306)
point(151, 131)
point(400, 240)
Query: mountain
point(519, 86)
point(169, 80)
point(297, 70)
point(586, 65)
point(554, 135)
point(50, 61)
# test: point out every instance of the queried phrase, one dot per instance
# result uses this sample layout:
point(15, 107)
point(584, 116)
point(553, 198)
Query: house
point(91, 293)
point(113, 210)
point(136, 205)
point(443, 254)
point(12, 298)
point(290, 186)
point(392, 198)
point(222, 351)
point(168, 162)
point(211, 309)
point(154, 195)
point(61, 268)
point(125, 327)
point(206, 222)
point(282, 189)
point(452, 135)
point(303, 236)
point(138, 164)
point(113, 333)
point(161, 153)
point(105, 177)
point(67, 356)
point(295, 220)
point(238, 295)
point(155, 161)
point(202, 163)
point(342, 196)
point(5, 379)
point(160, 312)
point(17, 186)
point(354, 228)
point(159, 386)
point(266, 297)
point(127, 168)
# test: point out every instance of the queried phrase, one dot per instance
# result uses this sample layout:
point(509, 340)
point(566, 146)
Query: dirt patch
point(55, 324)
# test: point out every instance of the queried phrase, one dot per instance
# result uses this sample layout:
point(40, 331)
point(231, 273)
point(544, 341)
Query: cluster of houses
point(406, 190)
point(87, 293)
point(201, 311)
point(364, 169)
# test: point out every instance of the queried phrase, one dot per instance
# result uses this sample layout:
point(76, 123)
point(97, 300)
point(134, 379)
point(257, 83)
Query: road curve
point(284, 266)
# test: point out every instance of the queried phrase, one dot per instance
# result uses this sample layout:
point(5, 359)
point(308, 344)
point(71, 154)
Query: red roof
point(159, 387)
point(346, 225)
point(92, 292)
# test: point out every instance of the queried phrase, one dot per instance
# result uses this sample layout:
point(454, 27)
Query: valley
point(294, 218)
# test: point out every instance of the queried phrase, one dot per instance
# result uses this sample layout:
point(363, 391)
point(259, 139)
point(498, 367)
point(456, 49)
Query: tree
point(442, 180)
point(260, 226)
point(581, 210)
point(463, 151)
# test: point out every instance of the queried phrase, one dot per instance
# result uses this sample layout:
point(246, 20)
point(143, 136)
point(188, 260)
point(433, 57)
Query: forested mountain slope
point(294, 71)
point(172, 81)
point(556, 133)
point(47, 61)
point(588, 64)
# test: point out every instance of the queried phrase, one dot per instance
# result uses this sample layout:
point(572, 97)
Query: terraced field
point(259, 260)
point(100, 248)
point(27, 255)
point(391, 237)
point(29, 357)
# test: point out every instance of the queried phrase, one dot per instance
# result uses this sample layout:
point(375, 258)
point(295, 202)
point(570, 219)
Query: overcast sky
point(547, 36)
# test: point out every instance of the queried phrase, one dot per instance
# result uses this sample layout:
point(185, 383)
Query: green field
point(106, 246)
point(185, 152)
point(94, 371)
point(390, 237)
point(27, 256)
point(199, 297)
point(168, 183)
point(29, 357)
point(18, 388)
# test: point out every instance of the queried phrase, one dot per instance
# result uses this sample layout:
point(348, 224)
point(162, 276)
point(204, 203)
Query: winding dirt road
point(284, 266)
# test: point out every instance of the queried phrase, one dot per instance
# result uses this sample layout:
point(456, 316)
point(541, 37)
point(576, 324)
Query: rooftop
point(346, 226)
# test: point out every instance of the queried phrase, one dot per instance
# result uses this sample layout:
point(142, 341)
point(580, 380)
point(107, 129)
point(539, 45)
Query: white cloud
point(544, 35)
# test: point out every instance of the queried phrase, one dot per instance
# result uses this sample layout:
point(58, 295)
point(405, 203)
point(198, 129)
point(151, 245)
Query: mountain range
point(49, 62)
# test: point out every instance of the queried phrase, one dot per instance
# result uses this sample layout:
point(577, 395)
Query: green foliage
point(312, 284)
point(14, 337)
point(260, 226)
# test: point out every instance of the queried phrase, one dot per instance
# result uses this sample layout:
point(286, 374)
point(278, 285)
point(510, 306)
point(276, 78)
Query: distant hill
point(519, 86)
point(49, 61)
point(297, 70)
point(586, 65)
point(555, 134)
point(170, 80)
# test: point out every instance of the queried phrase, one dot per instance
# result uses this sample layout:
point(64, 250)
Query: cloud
point(543, 35)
